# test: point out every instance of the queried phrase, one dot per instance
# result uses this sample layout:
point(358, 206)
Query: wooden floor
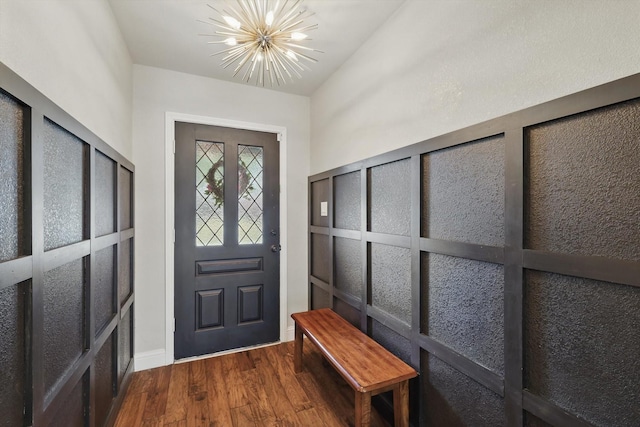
point(252, 388)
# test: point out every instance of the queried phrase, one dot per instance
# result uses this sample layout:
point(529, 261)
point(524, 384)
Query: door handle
point(276, 248)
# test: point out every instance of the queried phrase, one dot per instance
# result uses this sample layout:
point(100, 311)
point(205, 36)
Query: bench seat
point(365, 365)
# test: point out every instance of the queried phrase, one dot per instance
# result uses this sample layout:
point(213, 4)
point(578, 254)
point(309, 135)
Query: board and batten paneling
point(66, 266)
point(501, 260)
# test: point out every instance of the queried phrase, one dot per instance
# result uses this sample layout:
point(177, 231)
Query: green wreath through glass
point(215, 186)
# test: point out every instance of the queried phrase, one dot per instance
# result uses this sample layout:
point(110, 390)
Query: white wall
point(158, 91)
point(440, 65)
point(72, 51)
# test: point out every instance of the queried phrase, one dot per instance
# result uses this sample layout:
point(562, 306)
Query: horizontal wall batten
point(319, 283)
point(389, 239)
point(385, 319)
point(127, 304)
point(479, 373)
point(549, 412)
point(57, 257)
point(105, 333)
point(347, 234)
point(127, 234)
point(314, 229)
point(64, 386)
point(15, 271)
point(590, 267)
point(484, 253)
point(349, 299)
point(104, 242)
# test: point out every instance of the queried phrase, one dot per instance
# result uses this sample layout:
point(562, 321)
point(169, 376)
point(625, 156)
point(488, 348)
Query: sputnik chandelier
point(263, 39)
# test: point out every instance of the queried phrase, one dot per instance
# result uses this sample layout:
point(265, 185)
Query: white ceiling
point(165, 34)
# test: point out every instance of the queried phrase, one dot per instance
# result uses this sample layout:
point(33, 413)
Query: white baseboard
point(291, 334)
point(149, 360)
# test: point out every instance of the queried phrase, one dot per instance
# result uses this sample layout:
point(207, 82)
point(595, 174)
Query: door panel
point(227, 220)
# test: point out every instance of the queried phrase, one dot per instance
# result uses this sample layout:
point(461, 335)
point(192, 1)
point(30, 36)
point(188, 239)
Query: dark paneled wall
point(501, 260)
point(66, 266)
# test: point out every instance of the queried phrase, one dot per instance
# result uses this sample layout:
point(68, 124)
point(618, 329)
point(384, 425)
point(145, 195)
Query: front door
point(227, 260)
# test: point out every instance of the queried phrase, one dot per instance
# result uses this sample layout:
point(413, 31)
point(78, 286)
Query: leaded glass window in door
point(209, 193)
point(250, 185)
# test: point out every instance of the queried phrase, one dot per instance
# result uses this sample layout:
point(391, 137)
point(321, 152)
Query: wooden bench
point(366, 366)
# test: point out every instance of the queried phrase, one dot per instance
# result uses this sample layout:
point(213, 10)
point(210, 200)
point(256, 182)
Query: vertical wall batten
point(473, 270)
point(514, 198)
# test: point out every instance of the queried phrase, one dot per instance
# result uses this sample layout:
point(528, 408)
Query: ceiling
point(166, 34)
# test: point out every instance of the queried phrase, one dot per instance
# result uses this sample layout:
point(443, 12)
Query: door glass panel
point(250, 183)
point(209, 193)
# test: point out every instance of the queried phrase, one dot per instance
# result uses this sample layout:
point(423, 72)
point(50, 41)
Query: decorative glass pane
point(250, 182)
point(124, 345)
point(125, 284)
point(104, 381)
point(103, 288)
point(209, 193)
point(64, 185)
point(11, 191)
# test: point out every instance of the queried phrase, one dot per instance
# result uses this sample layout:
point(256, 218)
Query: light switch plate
point(324, 208)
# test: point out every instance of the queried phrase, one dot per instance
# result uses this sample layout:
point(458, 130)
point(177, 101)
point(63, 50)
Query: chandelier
point(263, 39)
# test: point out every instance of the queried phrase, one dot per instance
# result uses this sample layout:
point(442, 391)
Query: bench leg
point(363, 409)
point(401, 404)
point(297, 352)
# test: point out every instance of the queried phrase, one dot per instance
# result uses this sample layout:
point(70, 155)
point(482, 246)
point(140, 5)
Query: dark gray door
point(227, 257)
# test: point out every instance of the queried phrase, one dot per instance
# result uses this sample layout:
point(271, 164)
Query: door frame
point(170, 121)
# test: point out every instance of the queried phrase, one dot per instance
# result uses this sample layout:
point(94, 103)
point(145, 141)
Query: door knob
point(276, 248)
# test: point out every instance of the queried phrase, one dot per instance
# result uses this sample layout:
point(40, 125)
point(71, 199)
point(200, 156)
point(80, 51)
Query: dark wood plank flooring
point(252, 388)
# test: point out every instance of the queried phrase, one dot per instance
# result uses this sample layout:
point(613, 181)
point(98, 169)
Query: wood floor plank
point(260, 383)
point(197, 377)
point(157, 398)
point(131, 415)
point(262, 409)
point(244, 361)
point(217, 393)
point(236, 393)
point(278, 399)
point(178, 393)
point(243, 416)
point(198, 411)
point(283, 369)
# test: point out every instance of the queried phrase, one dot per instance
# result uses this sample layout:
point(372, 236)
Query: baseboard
point(291, 334)
point(149, 360)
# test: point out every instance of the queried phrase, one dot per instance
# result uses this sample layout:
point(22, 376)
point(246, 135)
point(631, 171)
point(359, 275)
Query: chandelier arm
point(288, 15)
point(245, 14)
point(250, 67)
point(253, 14)
point(227, 50)
point(278, 13)
point(297, 46)
point(242, 62)
point(232, 57)
point(293, 64)
point(276, 67)
point(243, 19)
point(305, 57)
point(276, 56)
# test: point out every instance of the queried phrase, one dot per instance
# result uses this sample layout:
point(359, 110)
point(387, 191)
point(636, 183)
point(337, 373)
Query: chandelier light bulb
point(233, 22)
point(264, 39)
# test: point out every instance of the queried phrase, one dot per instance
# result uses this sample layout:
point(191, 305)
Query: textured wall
point(463, 193)
point(347, 265)
point(584, 191)
point(463, 307)
point(65, 169)
point(105, 195)
point(11, 185)
point(454, 399)
point(347, 201)
point(391, 280)
point(390, 209)
point(64, 320)
point(581, 338)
